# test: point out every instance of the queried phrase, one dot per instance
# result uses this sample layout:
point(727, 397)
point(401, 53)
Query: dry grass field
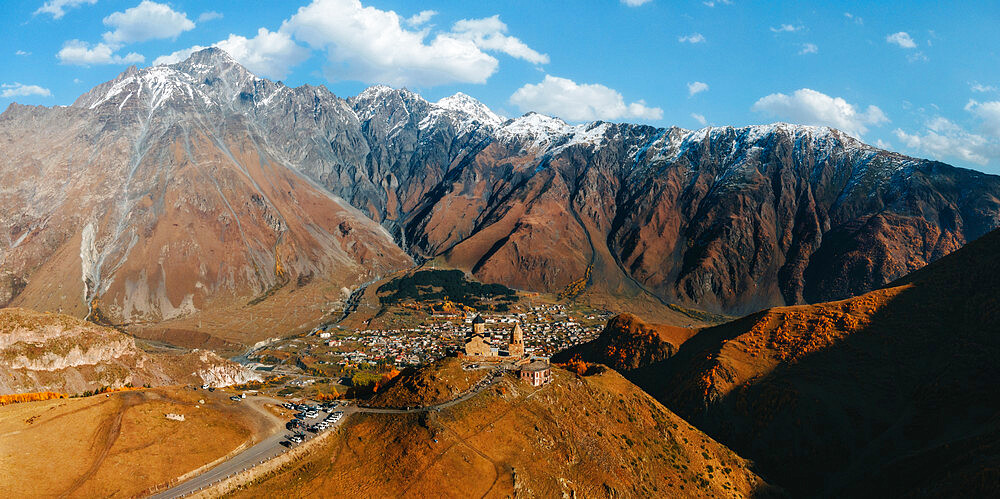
point(593, 436)
point(118, 445)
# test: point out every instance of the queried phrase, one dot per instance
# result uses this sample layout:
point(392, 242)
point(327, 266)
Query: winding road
point(271, 446)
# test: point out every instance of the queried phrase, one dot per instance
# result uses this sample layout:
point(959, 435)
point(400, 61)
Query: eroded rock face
point(55, 352)
point(182, 191)
point(722, 219)
point(220, 372)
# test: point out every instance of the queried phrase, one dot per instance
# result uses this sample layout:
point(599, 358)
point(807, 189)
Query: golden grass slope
point(418, 387)
point(117, 445)
point(595, 436)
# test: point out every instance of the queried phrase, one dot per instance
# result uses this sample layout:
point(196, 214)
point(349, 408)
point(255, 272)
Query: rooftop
point(538, 365)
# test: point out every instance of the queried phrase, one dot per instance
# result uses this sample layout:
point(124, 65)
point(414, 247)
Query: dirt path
point(113, 427)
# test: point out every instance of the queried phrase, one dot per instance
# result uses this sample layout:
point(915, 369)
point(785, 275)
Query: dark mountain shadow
point(906, 405)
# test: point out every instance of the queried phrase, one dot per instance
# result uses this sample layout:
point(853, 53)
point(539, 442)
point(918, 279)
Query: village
point(548, 329)
point(330, 358)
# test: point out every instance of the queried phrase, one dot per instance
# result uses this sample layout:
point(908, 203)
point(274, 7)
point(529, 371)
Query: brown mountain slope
point(56, 352)
point(196, 199)
point(728, 220)
point(158, 202)
point(628, 343)
point(892, 392)
point(597, 436)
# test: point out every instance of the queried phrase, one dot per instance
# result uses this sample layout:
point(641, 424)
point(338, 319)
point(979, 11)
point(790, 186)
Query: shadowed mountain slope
point(889, 393)
point(628, 343)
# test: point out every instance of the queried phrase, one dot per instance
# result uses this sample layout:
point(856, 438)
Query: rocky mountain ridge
point(211, 194)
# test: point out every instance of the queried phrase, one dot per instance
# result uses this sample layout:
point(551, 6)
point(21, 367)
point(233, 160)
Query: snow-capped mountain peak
point(206, 76)
point(476, 110)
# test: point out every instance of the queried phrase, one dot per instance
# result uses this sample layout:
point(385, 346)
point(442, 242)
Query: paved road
point(262, 451)
point(271, 446)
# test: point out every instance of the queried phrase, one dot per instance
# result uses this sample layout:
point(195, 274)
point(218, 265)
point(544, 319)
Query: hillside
point(416, 387)
point(597, 436)
point(889, 393)
point(56, 352)
point(628, 343)
point(214, 205)
point(121, 444)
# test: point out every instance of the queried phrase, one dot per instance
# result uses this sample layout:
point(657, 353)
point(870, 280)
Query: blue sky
point(921, 78)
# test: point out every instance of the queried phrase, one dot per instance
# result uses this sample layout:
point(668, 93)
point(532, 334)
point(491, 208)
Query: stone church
point(477, 343)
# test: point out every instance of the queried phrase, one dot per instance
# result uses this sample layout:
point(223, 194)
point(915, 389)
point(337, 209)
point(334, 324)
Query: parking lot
point(311, 420)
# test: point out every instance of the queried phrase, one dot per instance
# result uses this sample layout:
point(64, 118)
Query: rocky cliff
point(55, 352)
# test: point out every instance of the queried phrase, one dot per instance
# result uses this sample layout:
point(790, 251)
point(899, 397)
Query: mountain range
point(195, 200)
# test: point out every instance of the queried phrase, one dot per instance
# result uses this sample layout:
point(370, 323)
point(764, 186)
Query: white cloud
point(580, 102)
point(787, 28)
point(58, 7)
point(81, 53)
point(19, 90)
point(989, 113)
point(635, 3)
point(77, 81)
point(808, 48)
point(696, 86)
point(979, 87)
point(692, 38)
point(22, 53)
point(146, 21)
point(902, 39)
point(270, 53)
point(713, 3)
point(699, 118)
point(371, 45)
point(178, 56)
point(375, 46)
point(881, 144)
point(810, 107)
point(856, 19)
point(488, 34)
point(421, 18)
point(944, 139)
point(209, 16)
point(917, 57)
